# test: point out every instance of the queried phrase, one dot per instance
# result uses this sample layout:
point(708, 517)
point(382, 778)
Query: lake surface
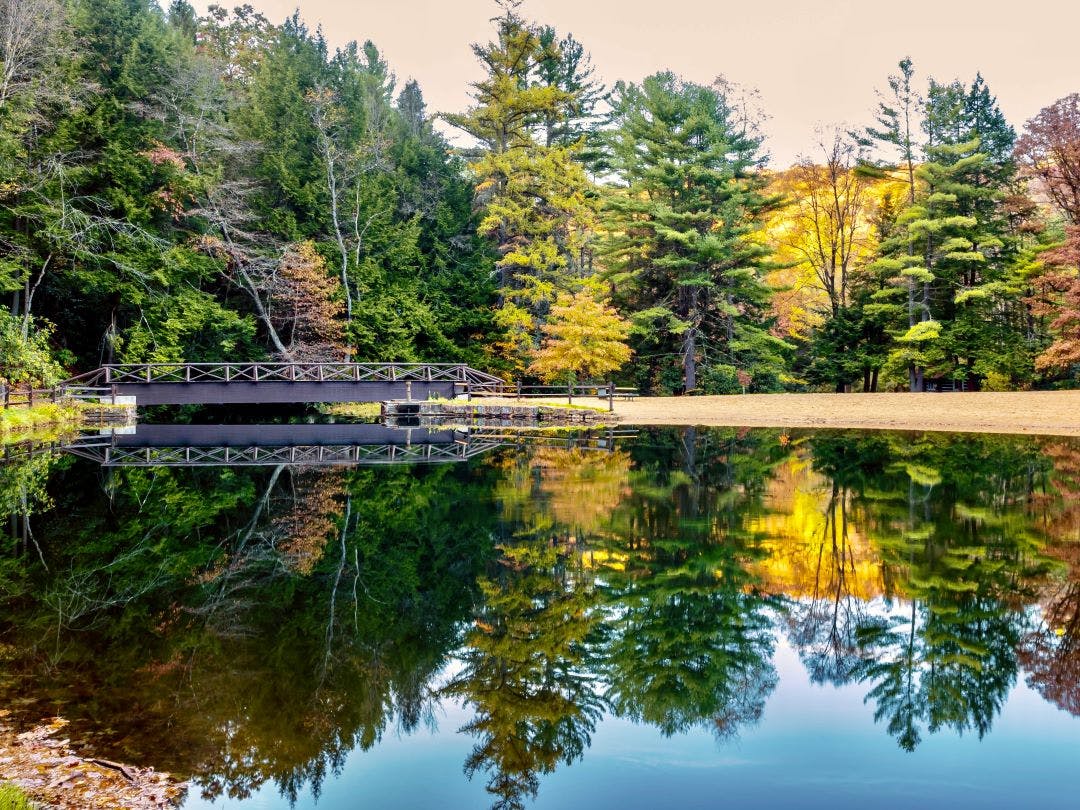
point(681, 617)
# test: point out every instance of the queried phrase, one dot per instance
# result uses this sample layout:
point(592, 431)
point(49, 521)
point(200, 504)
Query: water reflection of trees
point(643, 607)
point(1050, 649)
point(948, 518)
point(689, 642)
point(525, 670)
point(255, 626)
point(245, 626)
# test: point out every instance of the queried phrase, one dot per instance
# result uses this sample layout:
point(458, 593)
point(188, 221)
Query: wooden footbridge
point(280, 383)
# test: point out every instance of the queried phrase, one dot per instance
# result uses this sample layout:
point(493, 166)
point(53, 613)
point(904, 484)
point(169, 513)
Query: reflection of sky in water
point(816, 746)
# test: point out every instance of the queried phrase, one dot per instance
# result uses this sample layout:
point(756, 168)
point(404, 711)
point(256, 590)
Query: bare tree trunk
point(319, 100)
point(261, 311)
point(29, 297)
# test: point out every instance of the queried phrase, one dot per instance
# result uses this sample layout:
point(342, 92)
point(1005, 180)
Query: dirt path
point(1043, 412)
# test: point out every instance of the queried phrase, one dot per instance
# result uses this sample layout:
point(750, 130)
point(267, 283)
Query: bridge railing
point(143, 373)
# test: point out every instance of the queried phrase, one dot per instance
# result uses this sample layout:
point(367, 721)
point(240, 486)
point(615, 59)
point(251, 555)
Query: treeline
point(202, 188)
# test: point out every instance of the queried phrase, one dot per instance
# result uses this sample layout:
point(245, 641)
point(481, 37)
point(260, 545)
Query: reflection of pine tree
point(525, 671)
point(948, 517)
point(690, 642)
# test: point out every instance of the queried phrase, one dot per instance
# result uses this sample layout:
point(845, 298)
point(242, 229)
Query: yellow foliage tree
point(582, 338)
point(825, 236)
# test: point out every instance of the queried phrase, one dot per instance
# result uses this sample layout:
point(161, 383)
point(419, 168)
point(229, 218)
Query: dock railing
point(26, 396)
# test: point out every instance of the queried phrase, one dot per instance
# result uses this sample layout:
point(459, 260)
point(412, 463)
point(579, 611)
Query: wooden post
point(570, 393)
point(519, 389)
point(30, 392)
point(610, 396)
point(408, 390)
point(7, 397)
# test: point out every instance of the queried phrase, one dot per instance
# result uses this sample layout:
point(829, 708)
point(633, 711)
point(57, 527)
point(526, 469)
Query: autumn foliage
point(582, 338)
point(1049, 152)
point(308, 305)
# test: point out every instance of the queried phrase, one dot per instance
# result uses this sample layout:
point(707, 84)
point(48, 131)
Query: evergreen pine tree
point(680, 251)
point(536, 198)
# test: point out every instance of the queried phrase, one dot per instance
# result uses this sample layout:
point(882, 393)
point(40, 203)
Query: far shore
point(1052, 413)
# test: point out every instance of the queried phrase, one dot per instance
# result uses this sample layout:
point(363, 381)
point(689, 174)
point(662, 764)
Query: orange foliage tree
point(1049, 152)
point(307, 306)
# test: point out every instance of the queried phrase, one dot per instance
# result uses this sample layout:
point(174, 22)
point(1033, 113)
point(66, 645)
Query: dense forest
point(201, 188)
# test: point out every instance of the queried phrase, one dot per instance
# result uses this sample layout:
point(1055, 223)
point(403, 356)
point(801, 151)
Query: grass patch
point(12, 798)
point(47, 414)
point(366, 411)
point(569, 407)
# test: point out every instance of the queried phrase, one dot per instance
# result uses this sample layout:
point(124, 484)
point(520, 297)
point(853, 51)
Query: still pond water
point(678, 618)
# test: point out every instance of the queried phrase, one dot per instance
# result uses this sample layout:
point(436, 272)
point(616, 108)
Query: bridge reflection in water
point(310, 444)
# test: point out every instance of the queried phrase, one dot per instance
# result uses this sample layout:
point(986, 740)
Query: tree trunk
point(689, 360)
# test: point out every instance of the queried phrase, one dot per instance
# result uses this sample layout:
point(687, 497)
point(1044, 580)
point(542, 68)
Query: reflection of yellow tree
point(525, 670)
point(818, 558)
point(812, 540)
point(568, 494)
point(581, 488)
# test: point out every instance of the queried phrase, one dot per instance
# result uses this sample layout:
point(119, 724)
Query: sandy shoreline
point(1055, 413)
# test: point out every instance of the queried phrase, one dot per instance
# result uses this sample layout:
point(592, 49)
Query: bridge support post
point(408, 390)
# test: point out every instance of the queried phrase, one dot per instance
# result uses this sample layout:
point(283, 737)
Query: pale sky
point(816, 64)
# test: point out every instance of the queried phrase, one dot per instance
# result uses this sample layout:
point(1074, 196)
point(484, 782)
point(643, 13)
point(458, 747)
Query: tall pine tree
point(537, 203)
point(680, 251)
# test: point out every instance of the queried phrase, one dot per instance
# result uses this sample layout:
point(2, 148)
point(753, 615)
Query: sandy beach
point(1054, 413)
